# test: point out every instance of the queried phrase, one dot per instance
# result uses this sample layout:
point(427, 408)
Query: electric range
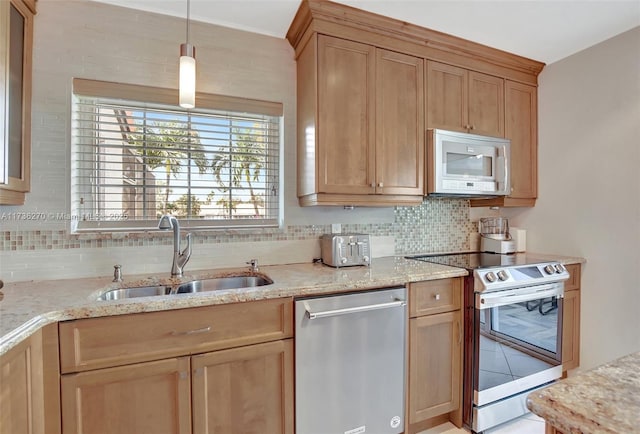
point(513, 331)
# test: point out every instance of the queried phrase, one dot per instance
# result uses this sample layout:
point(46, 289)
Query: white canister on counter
point(519, 236)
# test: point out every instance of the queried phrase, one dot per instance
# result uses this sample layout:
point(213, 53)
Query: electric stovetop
point(477, 260)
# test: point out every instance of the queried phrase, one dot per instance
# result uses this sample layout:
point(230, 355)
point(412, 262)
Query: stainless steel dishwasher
point(350, 358)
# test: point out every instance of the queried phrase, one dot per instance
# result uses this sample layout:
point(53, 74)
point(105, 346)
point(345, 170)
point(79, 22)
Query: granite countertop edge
point(605, 399)
point(29, 306)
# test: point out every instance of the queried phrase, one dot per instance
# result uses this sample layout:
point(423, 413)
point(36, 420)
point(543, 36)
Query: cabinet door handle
point(459, 332)
point(191, 332)
point(380, 185)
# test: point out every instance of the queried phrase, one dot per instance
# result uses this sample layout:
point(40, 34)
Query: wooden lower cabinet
point(571, 320)
point(198, 370)
point(29, 385)
point(244, 390)
point(241, 390)
point(435, 354)
point(151, 397)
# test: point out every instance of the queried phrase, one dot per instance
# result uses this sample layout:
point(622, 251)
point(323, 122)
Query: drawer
point(574, 278)
point(117, 340)
point(434, 296)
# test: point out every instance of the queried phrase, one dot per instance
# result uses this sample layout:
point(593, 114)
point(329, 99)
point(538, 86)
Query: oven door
point(519, 341)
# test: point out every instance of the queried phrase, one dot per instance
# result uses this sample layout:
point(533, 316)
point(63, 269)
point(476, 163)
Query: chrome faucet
point(180, 259)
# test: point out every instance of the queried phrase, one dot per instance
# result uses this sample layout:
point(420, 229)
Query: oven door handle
point(502, 298)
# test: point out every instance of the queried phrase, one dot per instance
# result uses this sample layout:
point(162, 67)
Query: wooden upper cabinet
point(446, 97)
point(346, 76)
point(522, 130)
point(521, 127)
point(360, 105)
point(486, 104)
point(16, 46)
point(399, 126)
point(360, 124)
point(463, 100)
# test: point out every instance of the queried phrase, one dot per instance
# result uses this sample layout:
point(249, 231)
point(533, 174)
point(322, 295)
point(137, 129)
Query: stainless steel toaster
point(345, 250)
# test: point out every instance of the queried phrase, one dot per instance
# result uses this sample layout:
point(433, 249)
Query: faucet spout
point(180, 258)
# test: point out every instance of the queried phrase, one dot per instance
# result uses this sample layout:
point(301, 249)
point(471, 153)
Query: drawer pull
point(192, 332)
point(437, 297)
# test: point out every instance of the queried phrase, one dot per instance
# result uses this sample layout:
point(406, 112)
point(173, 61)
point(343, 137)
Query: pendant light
point(188, 69)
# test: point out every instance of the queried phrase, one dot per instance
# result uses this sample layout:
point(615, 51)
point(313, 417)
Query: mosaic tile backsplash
point(438, 225)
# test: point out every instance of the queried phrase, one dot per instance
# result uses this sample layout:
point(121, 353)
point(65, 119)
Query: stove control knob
point(549, 269)
point(343, 260)
point(502, 275)
point(559, 268)
point(490, 276)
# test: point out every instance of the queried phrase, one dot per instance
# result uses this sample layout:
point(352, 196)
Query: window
point(135, 156)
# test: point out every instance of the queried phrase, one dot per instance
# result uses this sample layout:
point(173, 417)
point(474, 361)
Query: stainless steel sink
point(218, 283)
point(214, 284)
point(141, 291)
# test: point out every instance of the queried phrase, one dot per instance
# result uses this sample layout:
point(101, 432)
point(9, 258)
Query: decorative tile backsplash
point(437, 225)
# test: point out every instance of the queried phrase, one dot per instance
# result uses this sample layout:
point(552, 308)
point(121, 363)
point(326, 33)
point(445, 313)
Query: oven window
point(517, 340)
point(468, 165)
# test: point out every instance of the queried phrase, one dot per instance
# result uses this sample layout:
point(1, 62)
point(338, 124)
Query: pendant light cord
point(188, 19)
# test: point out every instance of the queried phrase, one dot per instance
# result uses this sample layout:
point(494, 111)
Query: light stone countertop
point(28, 306)
point(605, 399)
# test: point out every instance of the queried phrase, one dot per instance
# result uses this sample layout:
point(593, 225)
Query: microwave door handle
point(505, 162)
point(502, 172)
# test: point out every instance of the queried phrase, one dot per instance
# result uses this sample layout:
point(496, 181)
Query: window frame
point(153, 97)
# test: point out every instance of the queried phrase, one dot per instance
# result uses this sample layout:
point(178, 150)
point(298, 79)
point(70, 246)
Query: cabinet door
point(571, 330)
point(521, 107)
point(150, 397)
point(16, 41)
point(346, 75)
point(447, 97)
point(29, 388)
point(399, 126)
point(486, 104)
point(435, 347)
point(244, 390)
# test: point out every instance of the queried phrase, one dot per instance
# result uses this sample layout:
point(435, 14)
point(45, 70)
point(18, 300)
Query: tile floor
point(527, 424)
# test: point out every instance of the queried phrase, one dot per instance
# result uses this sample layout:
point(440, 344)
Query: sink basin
point(218, 283)
point(141, 291)
point(214, 284)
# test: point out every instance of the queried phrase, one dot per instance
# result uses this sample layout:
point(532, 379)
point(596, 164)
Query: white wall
point(589, 187)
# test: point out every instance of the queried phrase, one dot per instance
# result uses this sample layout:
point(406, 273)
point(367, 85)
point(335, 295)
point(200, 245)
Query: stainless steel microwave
point(467, 165)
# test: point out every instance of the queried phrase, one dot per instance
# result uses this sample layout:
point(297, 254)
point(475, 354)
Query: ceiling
point(543, 30)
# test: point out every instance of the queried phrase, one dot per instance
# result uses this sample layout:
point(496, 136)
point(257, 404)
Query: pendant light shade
point(187, 69)
point(187, 76)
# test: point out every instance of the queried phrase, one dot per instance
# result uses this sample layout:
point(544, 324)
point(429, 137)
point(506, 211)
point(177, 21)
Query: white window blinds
point(138, 158)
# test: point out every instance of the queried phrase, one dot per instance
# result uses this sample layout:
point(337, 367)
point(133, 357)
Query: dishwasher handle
point(357, 309)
